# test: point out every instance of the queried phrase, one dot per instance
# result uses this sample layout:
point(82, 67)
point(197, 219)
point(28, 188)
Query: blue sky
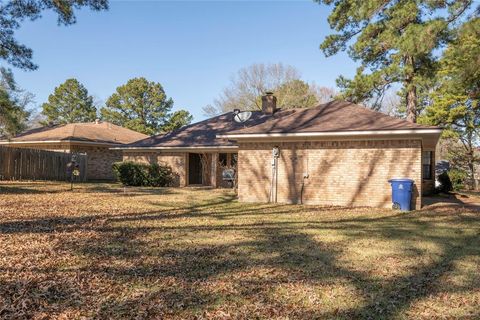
point(191, 48)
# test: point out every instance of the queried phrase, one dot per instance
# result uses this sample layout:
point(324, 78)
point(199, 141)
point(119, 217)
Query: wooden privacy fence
point(33, 164)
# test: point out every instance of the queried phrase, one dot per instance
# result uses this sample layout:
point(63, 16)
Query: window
point(427, 164)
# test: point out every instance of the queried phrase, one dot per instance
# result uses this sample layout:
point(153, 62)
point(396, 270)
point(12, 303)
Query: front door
point(194, 169)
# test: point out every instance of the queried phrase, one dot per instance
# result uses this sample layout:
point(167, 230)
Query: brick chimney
point(269, 103)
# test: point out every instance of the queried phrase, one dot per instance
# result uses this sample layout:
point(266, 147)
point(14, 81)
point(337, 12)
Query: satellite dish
point(242, 117)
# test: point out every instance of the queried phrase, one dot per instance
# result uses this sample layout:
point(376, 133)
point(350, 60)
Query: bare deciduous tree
point(391, 104)
point(323, 94)
point(247, 86)
point(206, 169)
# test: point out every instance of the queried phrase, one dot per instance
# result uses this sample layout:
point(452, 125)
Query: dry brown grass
point(98, 252)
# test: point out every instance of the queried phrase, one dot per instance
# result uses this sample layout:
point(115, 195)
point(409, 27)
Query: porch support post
point(213, 174)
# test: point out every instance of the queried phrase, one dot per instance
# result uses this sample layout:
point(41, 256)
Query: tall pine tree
point(14, 12)
point(393, 40)
point(143, 106)
point(13, 101)
point(69, 103)
point(456, 98)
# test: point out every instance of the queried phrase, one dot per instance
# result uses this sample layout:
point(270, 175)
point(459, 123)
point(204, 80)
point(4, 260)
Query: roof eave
point(363, 133)
point(177, 149)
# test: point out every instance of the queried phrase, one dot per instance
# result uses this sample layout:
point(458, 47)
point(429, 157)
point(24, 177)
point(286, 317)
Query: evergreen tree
point(69, 103)
point(13, 12)
point(143, 106)
point(394, 41)
point(13, 101)
point(456, 99)
point(177, 120)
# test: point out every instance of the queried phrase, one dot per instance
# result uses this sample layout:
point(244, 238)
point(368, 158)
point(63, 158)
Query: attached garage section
point(344, 173)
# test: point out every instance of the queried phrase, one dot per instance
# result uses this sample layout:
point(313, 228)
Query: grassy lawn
point(100, 252)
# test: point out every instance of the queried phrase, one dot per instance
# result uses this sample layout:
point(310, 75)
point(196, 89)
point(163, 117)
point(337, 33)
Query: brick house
point(337, 153)
point(94, 139)
point(195, 153)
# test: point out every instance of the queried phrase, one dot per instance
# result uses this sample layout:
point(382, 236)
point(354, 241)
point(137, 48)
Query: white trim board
point(330, 134)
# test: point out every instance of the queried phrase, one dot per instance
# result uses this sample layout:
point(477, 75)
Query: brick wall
point(347, 173)
point(99, 161)
point(176, 160)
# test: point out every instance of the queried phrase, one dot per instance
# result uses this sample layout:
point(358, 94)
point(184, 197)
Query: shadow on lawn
point(7, 189)
point(290, 247)
point(286, 246)
point(129, 191)
point(97, 222)
point(22, 297)
point(39, 187)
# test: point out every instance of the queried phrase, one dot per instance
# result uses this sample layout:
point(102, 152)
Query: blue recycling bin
point(401, 193)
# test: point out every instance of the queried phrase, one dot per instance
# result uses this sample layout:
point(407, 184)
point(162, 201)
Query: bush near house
point(146, 175)
point(458, 178)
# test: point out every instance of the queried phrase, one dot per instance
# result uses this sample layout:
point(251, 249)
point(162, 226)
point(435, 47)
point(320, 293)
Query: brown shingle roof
point(102, 132)
point(201, 134)
point(334, 116)
point(330, 117)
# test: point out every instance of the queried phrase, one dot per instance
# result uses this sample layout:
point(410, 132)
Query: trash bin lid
point(401, 180)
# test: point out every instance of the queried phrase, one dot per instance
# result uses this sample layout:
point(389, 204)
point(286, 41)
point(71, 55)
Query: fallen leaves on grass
point(101, 252)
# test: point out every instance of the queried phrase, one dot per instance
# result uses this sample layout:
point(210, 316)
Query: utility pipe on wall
point(274, 182)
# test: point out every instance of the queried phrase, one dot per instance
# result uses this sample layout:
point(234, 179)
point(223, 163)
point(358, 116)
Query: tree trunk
point(471, 167)
point(206, 169)
point(471, 162)
point(412, 104)
point(411, 91)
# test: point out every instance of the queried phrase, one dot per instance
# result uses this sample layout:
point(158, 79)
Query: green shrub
point(140, 174)
point(458, 178)
point(160, 176)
